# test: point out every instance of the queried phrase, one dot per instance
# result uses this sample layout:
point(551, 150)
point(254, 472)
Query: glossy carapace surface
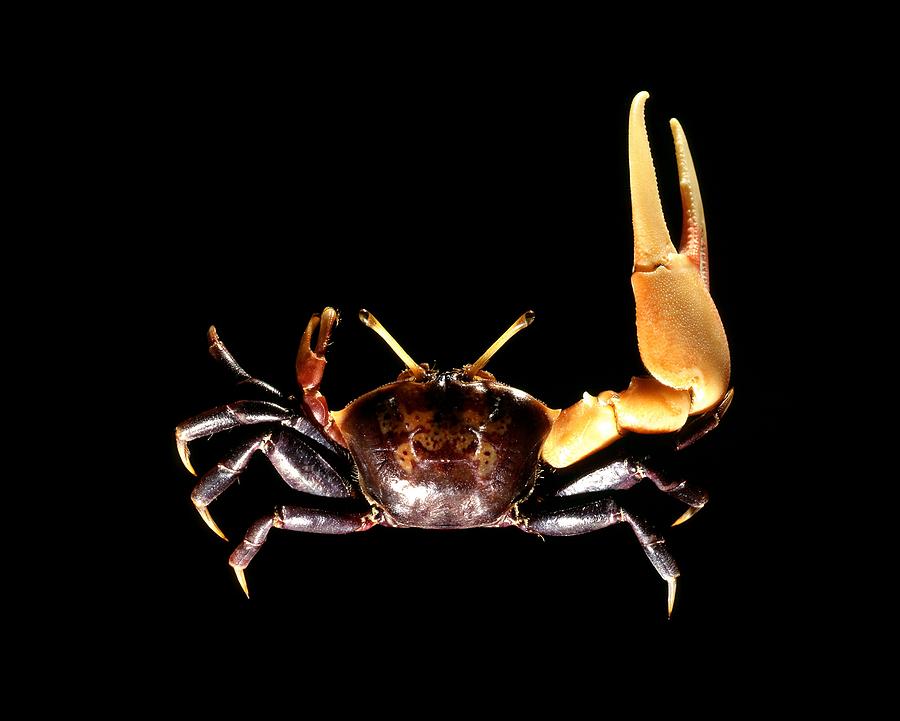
point(446, 452)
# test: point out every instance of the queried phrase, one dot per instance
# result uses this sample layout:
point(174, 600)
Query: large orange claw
point(680, 335)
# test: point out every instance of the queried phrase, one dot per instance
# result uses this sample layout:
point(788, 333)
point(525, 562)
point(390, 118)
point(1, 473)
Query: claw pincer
point(680, 334)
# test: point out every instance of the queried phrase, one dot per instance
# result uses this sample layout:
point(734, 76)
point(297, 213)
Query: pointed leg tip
point(208, 519)
point(239, 572)
point(184, 454)
point(689, 513)
point(671, 600)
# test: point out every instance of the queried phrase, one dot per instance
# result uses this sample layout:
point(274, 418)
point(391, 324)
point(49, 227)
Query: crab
point(458, 449)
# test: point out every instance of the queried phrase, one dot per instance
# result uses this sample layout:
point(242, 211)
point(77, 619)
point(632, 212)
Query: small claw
point(672, 585)
point(207, 517)
point(311, 357)
point(239, 572)
point(686, 515)
point(184, 453)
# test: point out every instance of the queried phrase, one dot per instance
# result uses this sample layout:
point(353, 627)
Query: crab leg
point(597, 514)
point(624, 473)
point(242, 413)
point(294, 518)
point(221, 354)
point(299, 465)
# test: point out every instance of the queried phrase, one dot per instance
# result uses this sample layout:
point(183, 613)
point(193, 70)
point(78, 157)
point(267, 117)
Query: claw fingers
point(693, 225)
point(328, 322)
point(652, 245)
point(311, 357)
point(208, 519)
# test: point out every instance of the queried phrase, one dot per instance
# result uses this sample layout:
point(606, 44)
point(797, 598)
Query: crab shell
point(448, 452)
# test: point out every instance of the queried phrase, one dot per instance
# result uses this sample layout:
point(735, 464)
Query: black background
point(447, 199)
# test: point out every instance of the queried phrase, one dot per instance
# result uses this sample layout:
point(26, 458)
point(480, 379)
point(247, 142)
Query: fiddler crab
point(458, 449)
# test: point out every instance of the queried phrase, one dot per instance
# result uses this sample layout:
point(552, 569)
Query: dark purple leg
point(301, 467)
point(295, 518)
point(243, 413)
point(221, 354)
point(601, 513)
point(627, 472)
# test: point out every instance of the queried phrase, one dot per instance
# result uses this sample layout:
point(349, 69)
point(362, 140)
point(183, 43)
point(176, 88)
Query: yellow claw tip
point(637, 105)
point(208, 519)
point(689, 513)
point(184, 454)
point(672, 586)
point(239, 572)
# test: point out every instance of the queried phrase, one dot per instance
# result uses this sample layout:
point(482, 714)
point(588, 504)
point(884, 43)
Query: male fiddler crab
point(458, 449)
